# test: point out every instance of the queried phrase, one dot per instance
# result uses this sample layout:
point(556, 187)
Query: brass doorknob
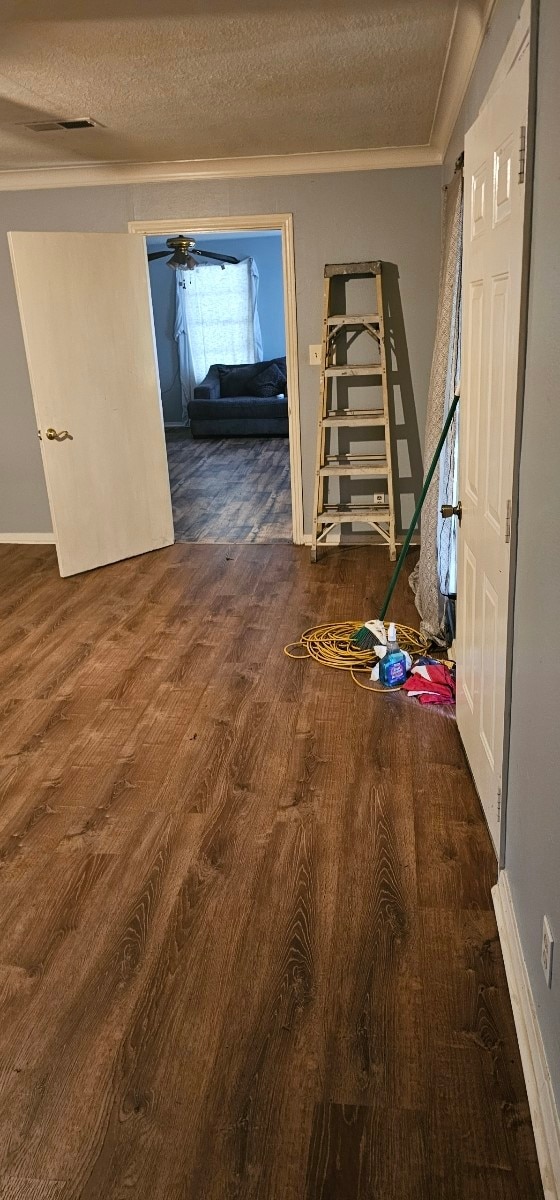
point(57, 436)
point(452, 510)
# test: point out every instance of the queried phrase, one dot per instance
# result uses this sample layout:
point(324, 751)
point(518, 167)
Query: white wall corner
point(467, 34)
point(542, 1103)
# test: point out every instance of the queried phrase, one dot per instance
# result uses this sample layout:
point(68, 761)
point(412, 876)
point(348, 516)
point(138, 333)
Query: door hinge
point(499, 813)
point(508, 522)
point(522, 153)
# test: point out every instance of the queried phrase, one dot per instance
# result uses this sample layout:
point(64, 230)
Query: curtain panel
point(434, 576)
point(217, 320)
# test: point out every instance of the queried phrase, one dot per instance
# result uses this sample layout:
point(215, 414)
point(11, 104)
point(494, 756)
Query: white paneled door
point(86, 314)
point(492, 263)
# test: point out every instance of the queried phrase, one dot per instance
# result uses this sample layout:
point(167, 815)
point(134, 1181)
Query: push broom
point(365, 638)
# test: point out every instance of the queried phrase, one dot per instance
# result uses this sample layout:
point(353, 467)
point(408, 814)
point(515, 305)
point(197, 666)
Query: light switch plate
point(315, 355)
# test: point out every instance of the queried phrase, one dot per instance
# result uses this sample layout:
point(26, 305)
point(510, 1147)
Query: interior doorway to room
point(220, 336)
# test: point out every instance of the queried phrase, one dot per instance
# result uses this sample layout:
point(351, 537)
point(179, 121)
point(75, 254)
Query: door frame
point(284, 224)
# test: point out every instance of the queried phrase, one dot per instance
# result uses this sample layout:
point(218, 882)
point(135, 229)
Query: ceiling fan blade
point(158, 254)
point(210, 254)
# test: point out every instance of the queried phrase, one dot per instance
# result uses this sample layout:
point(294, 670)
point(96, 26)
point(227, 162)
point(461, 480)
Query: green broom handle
point(418, 508)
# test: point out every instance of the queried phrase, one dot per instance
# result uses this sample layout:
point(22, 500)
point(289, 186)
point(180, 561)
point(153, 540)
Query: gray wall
point(393, 215)
point(533, 811)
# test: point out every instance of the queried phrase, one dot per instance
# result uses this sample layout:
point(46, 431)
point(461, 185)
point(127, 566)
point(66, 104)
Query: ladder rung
point(356, 468)
point(347, 456)
point(336, 516)
point(348, 369)
point(358, 319)
point(350, 416)
point(358, 269)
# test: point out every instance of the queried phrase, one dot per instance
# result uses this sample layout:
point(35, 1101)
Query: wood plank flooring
point(247, 947)
point(230, 489)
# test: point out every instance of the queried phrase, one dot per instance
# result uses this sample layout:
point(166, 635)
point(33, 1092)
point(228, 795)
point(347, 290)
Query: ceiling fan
point(182, 258)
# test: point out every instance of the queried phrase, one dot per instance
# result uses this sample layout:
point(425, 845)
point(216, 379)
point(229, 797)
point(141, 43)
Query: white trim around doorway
point(283, 222)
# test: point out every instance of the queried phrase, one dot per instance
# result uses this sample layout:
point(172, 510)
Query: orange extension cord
point(331, 646)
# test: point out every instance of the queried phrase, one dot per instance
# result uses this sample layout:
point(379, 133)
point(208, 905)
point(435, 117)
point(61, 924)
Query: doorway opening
point(225, 341)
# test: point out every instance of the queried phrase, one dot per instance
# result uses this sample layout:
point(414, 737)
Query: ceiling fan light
point(180, 261)
point(176, 261)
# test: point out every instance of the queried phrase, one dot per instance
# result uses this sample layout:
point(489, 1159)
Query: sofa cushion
point(237, 380)
point(270, 382)
point(238, 407)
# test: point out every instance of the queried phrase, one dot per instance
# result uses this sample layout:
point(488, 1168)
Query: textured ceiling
point(218, 78)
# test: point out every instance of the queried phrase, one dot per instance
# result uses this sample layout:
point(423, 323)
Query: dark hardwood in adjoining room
point(230, 489)
point(247, 945)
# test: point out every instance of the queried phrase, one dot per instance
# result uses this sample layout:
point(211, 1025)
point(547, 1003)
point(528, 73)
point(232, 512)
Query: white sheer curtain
point(217, 320)
point(434, 576)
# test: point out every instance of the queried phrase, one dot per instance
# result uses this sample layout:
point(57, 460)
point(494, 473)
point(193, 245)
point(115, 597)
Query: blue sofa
point(249, 399)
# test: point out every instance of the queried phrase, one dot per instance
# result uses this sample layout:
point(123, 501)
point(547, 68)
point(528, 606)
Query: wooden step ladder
point(340, 330)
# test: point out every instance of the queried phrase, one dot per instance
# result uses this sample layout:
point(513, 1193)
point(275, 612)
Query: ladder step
point(355, 417)
point(349, 369)
point(358, 269)
point(355, 512)
point(372, 468)
point(357, 319)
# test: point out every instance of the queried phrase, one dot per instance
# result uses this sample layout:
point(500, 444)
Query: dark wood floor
point(247, 947)
point(230, 489)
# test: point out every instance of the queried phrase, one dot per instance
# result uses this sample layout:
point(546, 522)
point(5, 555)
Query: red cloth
point(432, 683)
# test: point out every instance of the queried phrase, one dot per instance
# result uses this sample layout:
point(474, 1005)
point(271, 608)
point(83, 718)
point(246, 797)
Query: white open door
point(86, 313)
point(492, 264)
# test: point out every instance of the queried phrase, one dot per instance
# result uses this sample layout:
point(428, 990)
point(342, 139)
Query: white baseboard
point(542, 1103)
point(24, 539)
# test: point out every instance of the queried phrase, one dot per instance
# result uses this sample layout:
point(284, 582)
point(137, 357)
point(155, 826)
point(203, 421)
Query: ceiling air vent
point(50, 126)
point(78, 123)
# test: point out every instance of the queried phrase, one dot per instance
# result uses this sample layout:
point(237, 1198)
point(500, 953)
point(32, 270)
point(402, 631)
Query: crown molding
point(327, 162)
point(467, 34)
